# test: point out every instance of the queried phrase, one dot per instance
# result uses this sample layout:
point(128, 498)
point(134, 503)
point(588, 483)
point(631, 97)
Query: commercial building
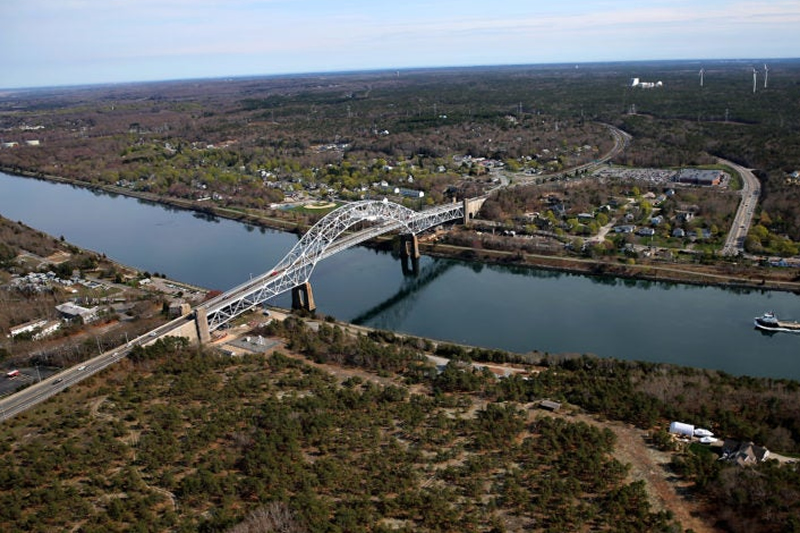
point(71, 311)
point(694, 176)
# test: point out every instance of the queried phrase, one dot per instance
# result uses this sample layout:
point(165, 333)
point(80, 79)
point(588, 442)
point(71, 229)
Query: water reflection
point(498, 306)
point(400, 301)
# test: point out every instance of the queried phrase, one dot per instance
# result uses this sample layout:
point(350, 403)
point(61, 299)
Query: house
point(627, 228)
point(646, 232)
point(411, 193)
point(743, 453)
point(678, 232)
point(656, 220)
point(179, 308)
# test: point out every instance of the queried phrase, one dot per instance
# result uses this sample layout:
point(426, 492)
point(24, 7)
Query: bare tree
point(272, 517)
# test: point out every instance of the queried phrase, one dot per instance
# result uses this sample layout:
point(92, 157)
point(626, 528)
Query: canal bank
point(719, 273)
point(516, 309)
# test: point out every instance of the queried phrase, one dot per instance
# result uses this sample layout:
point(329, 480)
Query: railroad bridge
point(328, 236)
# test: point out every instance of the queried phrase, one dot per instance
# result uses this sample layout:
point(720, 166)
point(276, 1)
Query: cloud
point(298, 35)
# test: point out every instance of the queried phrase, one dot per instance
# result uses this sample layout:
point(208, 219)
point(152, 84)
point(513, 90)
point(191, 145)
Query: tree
point(273, 517)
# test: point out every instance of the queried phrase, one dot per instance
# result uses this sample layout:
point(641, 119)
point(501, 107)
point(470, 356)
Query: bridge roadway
point(295, 269)
point(292, 271)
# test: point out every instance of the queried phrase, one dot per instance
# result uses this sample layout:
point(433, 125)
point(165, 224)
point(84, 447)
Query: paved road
point(751, 190)
point(38, 392)
point(41, 391)
point(621, 140)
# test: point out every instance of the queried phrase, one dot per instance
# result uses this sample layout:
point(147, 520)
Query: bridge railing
point(323, 240)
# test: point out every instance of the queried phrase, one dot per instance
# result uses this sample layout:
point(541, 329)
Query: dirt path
point(647, 463)
point(650, 465)
point(94, 409)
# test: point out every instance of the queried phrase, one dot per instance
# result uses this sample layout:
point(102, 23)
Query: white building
point(27, 327)
point(48, 329)
point(71, 311)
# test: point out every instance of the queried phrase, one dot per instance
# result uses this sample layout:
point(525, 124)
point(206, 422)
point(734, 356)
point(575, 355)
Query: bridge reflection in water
point(401, 302)
point(328, 236)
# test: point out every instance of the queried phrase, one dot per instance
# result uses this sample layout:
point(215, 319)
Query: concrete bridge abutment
point(471, 208)
point(201, 323)
point(303, 297)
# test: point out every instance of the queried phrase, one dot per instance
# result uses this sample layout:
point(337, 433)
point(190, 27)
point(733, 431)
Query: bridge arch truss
point(327, 237)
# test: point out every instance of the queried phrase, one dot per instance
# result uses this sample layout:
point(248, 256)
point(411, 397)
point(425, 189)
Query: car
point(57, 381)
point(82, 367)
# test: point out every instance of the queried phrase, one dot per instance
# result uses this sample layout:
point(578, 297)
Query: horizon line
point(303, 74)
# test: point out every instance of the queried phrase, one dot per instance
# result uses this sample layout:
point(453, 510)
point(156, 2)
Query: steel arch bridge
point(325, 238)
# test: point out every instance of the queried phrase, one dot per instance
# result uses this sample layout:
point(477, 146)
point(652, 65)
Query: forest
point(184, 438)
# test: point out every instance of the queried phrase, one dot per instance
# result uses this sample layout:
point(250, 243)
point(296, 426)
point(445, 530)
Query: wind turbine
point(702, 72)
point(755, 75)
point(766, 75)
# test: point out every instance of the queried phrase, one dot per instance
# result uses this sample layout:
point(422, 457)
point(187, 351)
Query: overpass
point(327, 237)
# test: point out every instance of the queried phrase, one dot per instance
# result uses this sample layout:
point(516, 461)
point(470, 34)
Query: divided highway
point(751, 190)
point(38, 392)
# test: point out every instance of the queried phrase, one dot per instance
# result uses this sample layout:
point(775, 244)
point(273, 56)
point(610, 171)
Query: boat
point(769, 322)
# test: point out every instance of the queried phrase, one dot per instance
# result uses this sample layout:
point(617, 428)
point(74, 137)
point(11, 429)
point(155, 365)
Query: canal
point(494, 306)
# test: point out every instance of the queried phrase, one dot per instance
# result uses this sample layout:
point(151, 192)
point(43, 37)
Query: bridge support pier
point(201, 322)
point(409, 254)
point(303, 297)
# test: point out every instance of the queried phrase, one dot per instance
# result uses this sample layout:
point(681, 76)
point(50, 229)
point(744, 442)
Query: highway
point(287, 274)
point(30, 396)
point(751, 190)
point(621, 141)
point(283, 273)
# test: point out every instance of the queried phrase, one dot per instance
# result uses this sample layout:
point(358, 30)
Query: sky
point(75, 42)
